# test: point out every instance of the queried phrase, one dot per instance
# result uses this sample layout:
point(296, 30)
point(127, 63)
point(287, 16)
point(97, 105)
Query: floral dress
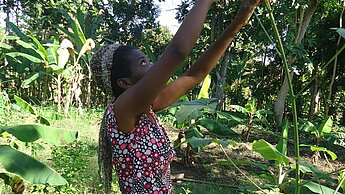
point(141, 157)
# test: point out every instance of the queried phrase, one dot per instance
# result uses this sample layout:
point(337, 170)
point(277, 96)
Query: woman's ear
point(124, 83)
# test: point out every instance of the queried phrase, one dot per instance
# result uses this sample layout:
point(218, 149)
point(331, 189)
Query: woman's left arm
point(203, 66)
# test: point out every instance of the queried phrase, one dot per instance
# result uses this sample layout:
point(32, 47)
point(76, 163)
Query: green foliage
point(196, 142)
point(216, 127)
point(269, 152)
point(28, 168)
point(341, 32)
point(193, 109)
point(15, 162)
point(32, 133)
point(204, 93)
point(25, 105)
point(77, 163)
point(318, 188)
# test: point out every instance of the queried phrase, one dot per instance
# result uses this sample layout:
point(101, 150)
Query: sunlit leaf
point(27, 56)
point(52, 55)
point(239, 108)
point(28, 168)
point(341, 32)
point(326, 126)
point(41, 50)
point(26, 83)
point(53, 136)
point(322, 149)
point(56, 68)
point(193, 109)
point(9, 37)
point(309, 127)
point(341, 180)
point(88, 45)
point(5, 46)
point(205, 87)
point(25, 105)
point(269, 152)
point(251, 106)
point(318, 188)
point(230, 117)
point(283, 141)
point(26, 45)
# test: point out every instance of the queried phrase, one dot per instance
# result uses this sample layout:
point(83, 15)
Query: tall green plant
point(291, 92)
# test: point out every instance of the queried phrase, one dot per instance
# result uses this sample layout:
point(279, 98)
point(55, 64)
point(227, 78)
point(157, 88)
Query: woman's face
point(140, 65)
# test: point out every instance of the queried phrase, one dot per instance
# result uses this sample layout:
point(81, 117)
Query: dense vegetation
point(278, 92)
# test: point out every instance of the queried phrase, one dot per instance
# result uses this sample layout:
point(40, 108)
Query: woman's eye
point(143, 63)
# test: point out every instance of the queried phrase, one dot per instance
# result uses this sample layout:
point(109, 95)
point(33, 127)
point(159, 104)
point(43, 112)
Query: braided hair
point(109, 63)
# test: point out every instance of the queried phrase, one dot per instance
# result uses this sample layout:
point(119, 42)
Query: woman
point(131, 138)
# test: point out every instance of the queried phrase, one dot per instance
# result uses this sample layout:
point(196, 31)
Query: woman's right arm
point(138, 98)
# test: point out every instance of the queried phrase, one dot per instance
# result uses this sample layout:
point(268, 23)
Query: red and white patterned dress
point(141, 157)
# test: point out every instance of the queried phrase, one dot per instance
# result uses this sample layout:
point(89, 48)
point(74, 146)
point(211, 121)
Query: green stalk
point(268, 36)
point(340, 183)
point(237, 168)
point(294, 108)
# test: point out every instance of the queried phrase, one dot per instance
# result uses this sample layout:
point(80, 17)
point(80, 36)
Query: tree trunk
point(306, 16)
point(221, 78)
point(315, 99)
point(279, 105)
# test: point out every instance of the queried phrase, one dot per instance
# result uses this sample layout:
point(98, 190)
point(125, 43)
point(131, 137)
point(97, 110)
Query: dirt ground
point(205, 167)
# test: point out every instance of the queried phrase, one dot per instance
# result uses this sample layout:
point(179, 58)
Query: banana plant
point(17, 165)
point(37, 57)
point(321, 133)
point(197, 117)
point(252, 115)
point(52, 60)
point(82, 32)
point(281, 181)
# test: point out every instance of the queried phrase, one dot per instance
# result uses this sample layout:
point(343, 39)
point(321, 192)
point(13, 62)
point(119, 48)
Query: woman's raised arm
point(203, 66)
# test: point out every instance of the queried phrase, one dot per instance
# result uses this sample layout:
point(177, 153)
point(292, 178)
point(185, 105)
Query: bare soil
point(205, 167)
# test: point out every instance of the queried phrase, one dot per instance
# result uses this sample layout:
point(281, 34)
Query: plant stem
point(294, 107)
point(340, 183)
point(227, 156)
point(268, 36)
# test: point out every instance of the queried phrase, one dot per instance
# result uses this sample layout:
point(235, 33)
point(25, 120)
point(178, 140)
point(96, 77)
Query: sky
point(168, 12)
point(2, 19)
point(166, 18)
